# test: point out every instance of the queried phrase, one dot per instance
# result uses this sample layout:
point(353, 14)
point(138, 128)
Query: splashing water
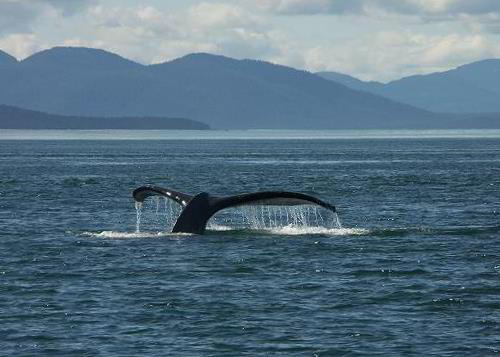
point(138, 214)
point(157, 213)
point(161, 213)
point(265, 217)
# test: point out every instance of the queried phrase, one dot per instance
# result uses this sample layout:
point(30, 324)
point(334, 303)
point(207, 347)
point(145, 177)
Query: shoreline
point(243, 134)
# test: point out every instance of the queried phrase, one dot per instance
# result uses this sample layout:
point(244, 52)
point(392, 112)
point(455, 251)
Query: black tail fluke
point(270, 198)
point(198, 209)
point(143, 192)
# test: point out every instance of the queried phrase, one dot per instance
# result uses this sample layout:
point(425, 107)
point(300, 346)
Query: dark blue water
point(417, 272)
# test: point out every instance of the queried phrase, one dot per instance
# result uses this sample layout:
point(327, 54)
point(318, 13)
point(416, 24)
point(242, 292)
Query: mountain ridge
point(469, 88)
point(218, 90)
point(80, 57)
point(221, 91)
point(6, 59)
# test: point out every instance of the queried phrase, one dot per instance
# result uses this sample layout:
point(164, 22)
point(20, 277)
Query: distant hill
point(81, 58)
point(471, 88)
point(352, 82)
point(17, 118)
point(220, 91)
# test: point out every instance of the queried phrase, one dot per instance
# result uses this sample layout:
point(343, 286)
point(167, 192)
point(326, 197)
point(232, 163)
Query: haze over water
point(415, 270)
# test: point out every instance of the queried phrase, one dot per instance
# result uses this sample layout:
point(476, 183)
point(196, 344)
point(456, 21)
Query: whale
point(197, 209)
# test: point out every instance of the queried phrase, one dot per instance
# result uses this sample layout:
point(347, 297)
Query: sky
point(370, 39)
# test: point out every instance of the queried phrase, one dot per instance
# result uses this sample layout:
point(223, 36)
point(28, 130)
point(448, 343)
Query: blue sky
point(370, 39)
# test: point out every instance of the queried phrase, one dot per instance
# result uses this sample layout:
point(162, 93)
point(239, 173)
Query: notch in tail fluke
point(199, 208)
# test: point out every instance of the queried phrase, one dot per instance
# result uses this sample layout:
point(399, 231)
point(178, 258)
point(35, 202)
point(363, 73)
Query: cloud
point(16, 16)
point(221, 15)
point(297, 7)
point(151, 34)
point(20, 16)
point(476, 7)
point(68, 7)
point(389, 55)
point(437, 9)
point(234, 30)
point(23, 21)
point(372, 39)
point(21, 45)
point(456, 49)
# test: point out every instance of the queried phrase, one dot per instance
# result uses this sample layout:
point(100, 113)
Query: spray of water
point(275, 217)
point(160, 214)
point(157, 214)
point(138, 214)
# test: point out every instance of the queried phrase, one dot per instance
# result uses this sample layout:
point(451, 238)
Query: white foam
point(219, 227)
point(124, 235)
point(301, 230)
point(286, 230)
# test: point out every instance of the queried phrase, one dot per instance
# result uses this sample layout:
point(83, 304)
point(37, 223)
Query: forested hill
point(17, 118)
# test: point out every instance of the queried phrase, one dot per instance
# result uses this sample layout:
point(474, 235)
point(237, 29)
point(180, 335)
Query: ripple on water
point(415, 273)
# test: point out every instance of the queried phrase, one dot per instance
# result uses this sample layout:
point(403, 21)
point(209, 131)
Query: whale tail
point(199, 208)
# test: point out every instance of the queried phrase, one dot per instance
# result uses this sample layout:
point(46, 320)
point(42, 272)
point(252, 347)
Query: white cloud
point(150, 34)
point(221, 15)
point(67, 7)
point(146, 33)
point(427, 9)
point(21, 20)
point(372, 39)
point(17, 17)
point(295, 7)
point(456, 49)
point(379, 57)
point(21, 45)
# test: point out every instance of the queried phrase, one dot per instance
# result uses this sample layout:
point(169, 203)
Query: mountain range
point(471, 88)
point(220, 91)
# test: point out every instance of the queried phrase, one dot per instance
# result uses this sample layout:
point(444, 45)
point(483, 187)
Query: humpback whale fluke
point(199, 208)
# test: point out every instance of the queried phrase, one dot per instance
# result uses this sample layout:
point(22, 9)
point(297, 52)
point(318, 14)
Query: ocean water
point(414, 270)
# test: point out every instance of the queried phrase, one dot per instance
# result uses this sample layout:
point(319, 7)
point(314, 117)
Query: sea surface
point(414, 269)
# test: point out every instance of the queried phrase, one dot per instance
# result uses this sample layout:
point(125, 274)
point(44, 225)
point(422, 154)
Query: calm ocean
point(415, 270)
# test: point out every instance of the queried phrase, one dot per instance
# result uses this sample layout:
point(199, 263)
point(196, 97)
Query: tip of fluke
point(138, 194)
point(143, 192)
